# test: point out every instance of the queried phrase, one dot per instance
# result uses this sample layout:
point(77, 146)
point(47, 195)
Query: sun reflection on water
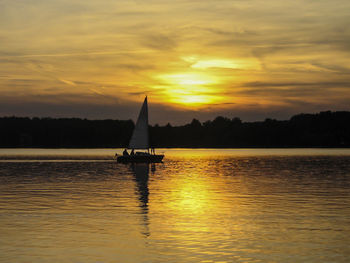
point(197, 206)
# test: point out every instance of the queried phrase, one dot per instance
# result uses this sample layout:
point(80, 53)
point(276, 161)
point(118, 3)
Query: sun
point(190, 88)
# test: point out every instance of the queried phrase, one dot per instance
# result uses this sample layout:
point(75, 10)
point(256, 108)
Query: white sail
point(139, 139)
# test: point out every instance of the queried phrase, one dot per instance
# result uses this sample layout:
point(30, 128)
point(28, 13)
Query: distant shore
point(322, 130)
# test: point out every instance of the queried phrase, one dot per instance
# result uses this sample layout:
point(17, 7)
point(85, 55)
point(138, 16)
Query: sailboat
point(140, 141)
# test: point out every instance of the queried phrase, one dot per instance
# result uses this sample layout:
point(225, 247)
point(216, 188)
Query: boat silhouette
point(140, 141)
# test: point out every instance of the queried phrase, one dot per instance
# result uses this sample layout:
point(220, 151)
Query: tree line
point(324, 129)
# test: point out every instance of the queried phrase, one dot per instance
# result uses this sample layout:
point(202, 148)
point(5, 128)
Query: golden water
point(202, 205)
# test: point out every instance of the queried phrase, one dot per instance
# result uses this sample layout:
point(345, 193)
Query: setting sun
point(190, 89)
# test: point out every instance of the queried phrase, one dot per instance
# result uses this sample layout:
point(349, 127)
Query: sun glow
point(188, 79)
point(220, 63)
point(190, 89)
point(215, 63)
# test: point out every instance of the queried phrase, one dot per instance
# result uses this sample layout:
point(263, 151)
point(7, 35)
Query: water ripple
point(193, 208)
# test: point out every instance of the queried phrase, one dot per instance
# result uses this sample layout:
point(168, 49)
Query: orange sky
point(98, 58)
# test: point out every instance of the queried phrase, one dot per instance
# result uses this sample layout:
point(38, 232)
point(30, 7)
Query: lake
point(199, 205)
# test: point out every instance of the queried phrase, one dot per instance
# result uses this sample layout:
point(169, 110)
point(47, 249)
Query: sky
point(250, 59)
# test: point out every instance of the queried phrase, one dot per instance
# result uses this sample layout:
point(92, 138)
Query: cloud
point(159, 42)
point(92, 107)
point(326, 84)
point(270, 58)
point(68, 82)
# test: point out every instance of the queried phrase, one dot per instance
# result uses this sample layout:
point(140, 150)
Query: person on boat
point(125, 152)
point(132, 152)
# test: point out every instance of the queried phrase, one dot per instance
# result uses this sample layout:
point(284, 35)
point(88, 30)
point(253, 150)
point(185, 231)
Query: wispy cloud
point(280, 57)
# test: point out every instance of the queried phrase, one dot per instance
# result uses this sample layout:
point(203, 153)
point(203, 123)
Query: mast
point(140, 138)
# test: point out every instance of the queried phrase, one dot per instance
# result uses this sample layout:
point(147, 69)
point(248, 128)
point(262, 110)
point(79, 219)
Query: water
point(243, 205)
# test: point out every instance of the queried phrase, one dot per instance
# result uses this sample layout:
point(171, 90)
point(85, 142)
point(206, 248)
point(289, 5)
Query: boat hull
point(152, 158)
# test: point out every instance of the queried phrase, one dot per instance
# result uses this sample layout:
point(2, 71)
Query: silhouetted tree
point(325, 129)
